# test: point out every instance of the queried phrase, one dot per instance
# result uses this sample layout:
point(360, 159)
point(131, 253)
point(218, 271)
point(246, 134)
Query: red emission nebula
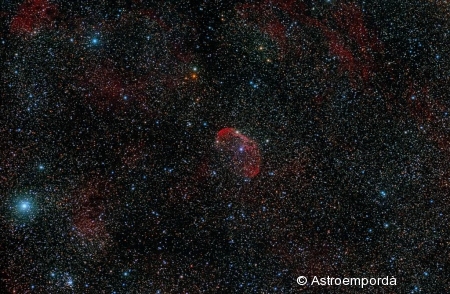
point(33, 16)
point(242, 152)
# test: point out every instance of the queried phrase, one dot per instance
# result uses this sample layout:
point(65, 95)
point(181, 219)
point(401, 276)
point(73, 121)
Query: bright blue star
point(94, 41)
point(24, 206)
point(253, 84)
point(68, 279)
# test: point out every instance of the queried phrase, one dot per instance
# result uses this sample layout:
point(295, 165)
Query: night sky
point(224, 147)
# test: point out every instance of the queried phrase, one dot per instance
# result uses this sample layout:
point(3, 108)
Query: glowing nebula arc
point(243, 153)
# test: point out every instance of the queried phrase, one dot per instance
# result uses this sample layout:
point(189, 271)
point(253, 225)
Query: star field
point(224, 146)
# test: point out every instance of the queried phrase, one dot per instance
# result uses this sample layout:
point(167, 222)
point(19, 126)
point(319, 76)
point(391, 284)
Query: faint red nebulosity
point(350, 21)
point(294, 8)
point(337, 48)
point(153, 15)
point(176, 47)
point(351, 30)
point(202, 172)
point(428, 111)
point(104, 86)
point(243, 152)
point(32, 16)
point(88, 213)
point(178, 50)
point(134, 154)
point(269, 24)
point(277, 31)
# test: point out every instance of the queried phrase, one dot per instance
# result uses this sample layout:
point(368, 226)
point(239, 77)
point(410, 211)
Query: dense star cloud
point(224, 147)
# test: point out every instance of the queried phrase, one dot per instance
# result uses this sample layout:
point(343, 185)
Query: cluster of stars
point(123, 169)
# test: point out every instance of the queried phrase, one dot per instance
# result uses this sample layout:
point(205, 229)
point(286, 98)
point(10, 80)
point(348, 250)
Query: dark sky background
point(333, 158)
